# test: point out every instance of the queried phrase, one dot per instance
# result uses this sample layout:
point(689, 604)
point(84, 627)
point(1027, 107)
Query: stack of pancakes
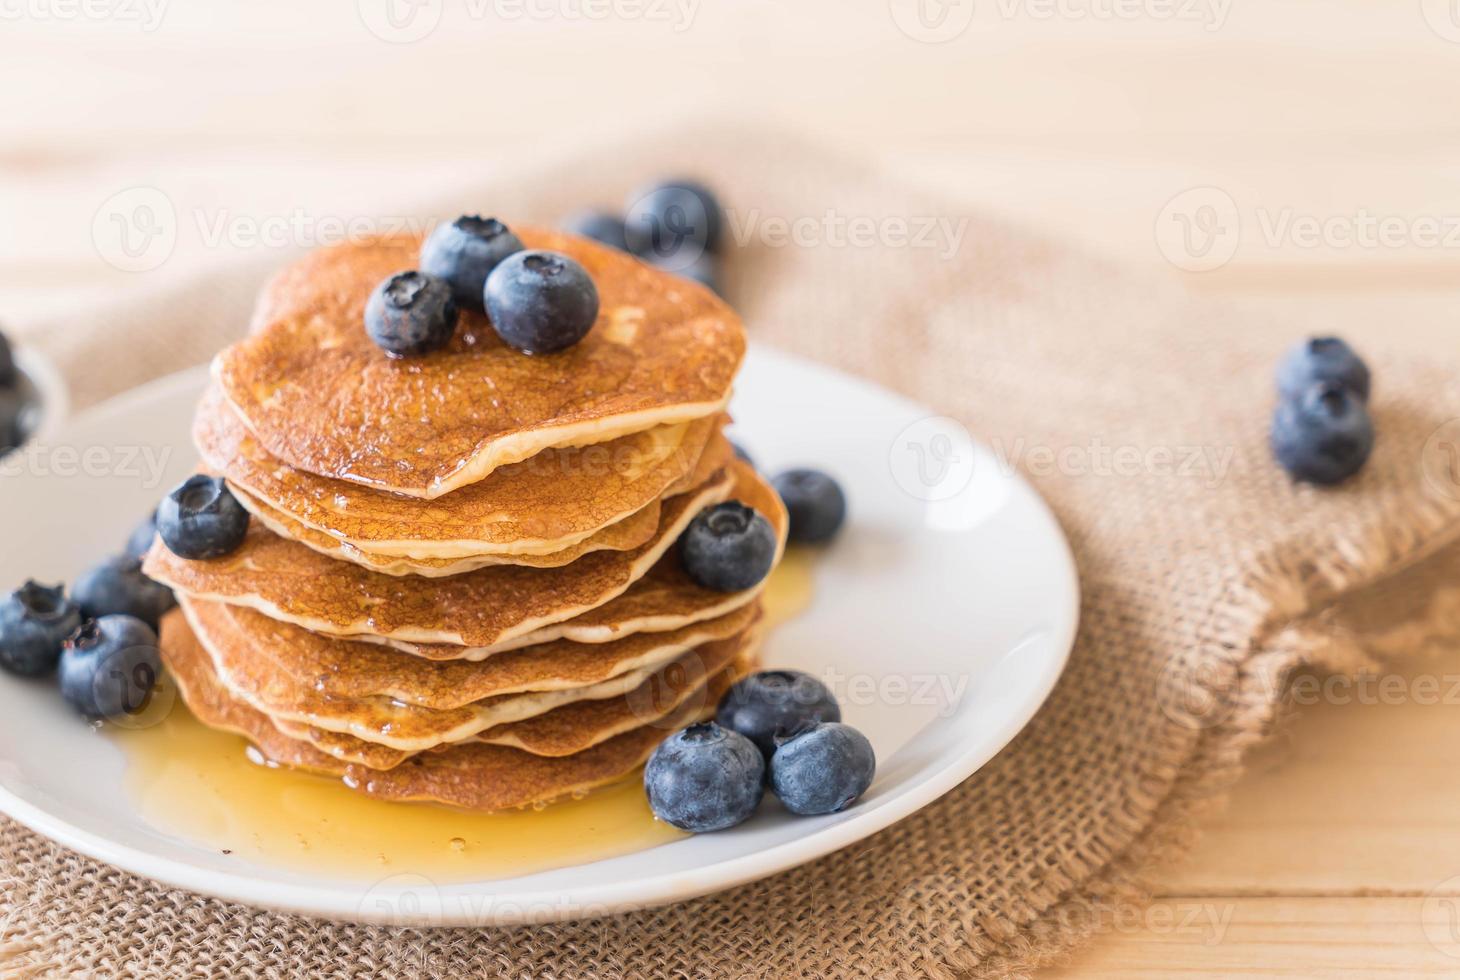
point(460, 582)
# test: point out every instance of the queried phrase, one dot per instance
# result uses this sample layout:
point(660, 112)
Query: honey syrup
point(211, 788)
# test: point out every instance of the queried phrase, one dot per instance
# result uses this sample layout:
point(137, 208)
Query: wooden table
point(1084, 117)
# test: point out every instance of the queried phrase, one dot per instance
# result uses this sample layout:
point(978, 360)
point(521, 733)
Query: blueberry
point(7, 363)
point(1324, 435)
point(822, 769)
point(674, 218)
point(705, 778)
point(703, 268)
point(1322, 359)
point(815, 503)
point(12, 418)
point(728, 547)
point(541, 302)
point(775, 702)
point(109, 666)
point(201, 518)
point(410, 314)
point(34, 621)
point(464, 252)
point(140, 540)
point(117, 585)
point(599, 226)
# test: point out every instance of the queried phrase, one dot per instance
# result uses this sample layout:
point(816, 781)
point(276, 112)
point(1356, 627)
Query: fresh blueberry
point(703, 268)
point(705, 778)
point(1322, 359)
point(464, 252)
point(34, 621)
point(815, 503)
point(201, 518)
point(775, 702)
point(117, 585)
point(728, 547)
point(140, 540)
point(410, 314)
point(822, 769)
point(541, 302)
point(109, 666)
point(674, 218)
point(1324, 435)
point(7, 363)
point(599, 226)
point(12, 418)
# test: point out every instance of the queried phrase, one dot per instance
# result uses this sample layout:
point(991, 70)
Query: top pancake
point(321, 397)
point(539, 506)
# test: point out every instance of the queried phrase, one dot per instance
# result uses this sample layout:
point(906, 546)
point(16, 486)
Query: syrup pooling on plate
point(206, 786)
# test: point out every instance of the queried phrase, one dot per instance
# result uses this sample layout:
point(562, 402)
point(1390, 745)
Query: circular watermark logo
point(932, 459)
point(399, 21)
point(1440, 917)
point(1199, 229)
point(135, 230)
point(931, 21)
point(1440, 459)
point(409, 900)
point(1188, 693)
point(1443, 17)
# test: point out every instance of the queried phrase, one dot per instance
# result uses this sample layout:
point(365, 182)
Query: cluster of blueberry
point(779, 727)
point(102, 639)
point(676, 225)
point(1321, 431)
point(539, 302)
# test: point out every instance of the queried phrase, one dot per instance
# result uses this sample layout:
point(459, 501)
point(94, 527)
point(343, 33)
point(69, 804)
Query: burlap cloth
point(1141, 416)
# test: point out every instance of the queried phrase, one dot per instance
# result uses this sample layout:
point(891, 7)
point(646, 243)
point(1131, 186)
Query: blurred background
point(1304, 153)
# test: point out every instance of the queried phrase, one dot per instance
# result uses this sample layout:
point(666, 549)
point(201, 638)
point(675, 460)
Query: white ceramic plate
point(942, 617)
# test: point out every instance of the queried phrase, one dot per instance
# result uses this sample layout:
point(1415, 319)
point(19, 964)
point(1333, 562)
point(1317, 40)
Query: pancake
point(582, 724)
point(333, 668)
point(487, 608)
point(475, 776)
point(536, 507)
point(631, 532)
point(321, 397)
point(409, 728)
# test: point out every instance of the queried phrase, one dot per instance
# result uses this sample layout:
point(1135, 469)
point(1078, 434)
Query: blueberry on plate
point(117, 585)
point(139, 542)
point(34, 621)
point(411, 314)
point(463, 253)
point(109, 666)
point(775, 702)
point(815, 503)
point(822, 769)
point(674, 218)
point(201, 518)
point(704, 778)
point(541, 302)
point(1322, 359)
point(599, 226)
point(1324, 435)
point(728, 547)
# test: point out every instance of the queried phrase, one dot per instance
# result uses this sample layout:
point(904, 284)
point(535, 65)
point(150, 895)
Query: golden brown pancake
point(582, 724)
point(539, 506)
point(321, 397)
point(488, 608)
point(474, 776)
point(298, 660)
point(631, 532)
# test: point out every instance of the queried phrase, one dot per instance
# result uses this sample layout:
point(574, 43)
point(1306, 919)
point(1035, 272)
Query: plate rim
point(326, 901)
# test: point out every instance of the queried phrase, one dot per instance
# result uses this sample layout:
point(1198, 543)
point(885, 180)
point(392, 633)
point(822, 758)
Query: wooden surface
point(1338, 855)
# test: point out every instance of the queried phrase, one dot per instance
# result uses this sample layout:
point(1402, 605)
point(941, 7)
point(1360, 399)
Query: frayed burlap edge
point(1293, 600)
